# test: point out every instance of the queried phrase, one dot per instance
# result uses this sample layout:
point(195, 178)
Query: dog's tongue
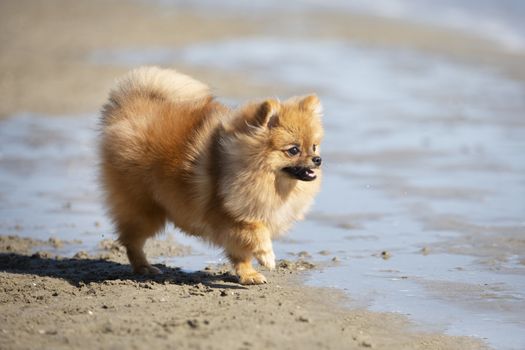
point(303, 174)
point(309, 173)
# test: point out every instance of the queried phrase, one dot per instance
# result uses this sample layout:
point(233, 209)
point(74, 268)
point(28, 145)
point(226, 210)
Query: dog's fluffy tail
point(153, 83)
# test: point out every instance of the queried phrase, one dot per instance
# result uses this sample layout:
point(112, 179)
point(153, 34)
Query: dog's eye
point(293, 151)
point(314, 147)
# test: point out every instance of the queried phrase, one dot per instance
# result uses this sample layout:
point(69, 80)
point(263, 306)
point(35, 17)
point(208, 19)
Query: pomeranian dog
point(235, 177)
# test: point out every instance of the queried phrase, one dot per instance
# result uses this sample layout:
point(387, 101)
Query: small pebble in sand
point(303, 319)
point(284, 264)
point(304, 254)
point(385, 255)
point(365, 344)
point(81, 255)
point(335, 259)
point(55, 242)
point(425, 250)
point(324, 252)
point(193, 323)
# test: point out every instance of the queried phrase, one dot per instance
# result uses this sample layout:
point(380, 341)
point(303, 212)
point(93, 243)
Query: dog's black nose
point(317, 160)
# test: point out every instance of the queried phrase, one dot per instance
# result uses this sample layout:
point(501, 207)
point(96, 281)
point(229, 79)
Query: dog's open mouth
point(301, 173)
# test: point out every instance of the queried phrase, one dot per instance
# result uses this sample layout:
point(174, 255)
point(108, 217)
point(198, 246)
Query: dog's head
point(292, 133)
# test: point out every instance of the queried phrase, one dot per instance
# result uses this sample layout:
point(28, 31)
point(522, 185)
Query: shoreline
point(87, 302)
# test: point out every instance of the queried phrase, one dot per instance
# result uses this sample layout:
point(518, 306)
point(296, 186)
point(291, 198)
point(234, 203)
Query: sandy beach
point(66, 293)
point(89, 302)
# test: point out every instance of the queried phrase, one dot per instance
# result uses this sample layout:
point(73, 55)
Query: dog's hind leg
point(134, 231)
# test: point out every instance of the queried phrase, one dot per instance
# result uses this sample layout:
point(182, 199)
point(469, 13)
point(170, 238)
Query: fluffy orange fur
point(237, 178)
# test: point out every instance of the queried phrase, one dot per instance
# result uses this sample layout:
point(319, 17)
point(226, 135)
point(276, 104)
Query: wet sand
point(95, 302)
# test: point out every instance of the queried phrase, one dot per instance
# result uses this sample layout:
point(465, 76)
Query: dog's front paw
point(252, 278)
point(266, 259)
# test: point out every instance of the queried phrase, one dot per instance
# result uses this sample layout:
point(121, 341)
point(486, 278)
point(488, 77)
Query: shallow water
point(424, 161)
point(496, 20)
point(500, 21)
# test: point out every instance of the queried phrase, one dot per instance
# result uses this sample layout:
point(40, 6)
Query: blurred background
point(423, 204)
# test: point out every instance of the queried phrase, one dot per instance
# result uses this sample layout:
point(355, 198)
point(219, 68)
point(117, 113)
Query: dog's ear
point(312, 104)
point(268, 113)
